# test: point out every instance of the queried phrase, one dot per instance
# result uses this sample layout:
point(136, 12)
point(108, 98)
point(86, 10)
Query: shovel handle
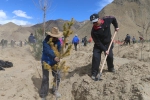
point(108, 50)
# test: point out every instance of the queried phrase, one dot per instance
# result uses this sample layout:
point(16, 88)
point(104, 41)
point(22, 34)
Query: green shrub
point(37, 47)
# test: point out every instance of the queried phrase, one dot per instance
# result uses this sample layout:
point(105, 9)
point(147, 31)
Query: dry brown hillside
point(59, 23)
point(130, 82)
point(132, 15)
point(12, 31)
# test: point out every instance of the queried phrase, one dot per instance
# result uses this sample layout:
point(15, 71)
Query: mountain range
point(132, 16)
point(11, 31)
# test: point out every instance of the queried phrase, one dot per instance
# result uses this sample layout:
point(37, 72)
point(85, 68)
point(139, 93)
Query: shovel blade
point(98, 78)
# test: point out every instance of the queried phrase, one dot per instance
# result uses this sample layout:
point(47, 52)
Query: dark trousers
point(75, 46)
point(85, 43)
point(45, 82)
point(97, 59)
point(128, 42)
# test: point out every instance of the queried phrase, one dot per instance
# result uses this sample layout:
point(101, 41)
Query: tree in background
point(44, 5)
point(36, 48)
point(145, 21)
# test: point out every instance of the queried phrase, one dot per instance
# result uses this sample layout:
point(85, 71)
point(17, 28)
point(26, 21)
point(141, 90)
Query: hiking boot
point(57, 94)
point(93, 77)
point(43, 98)
point(111, 70)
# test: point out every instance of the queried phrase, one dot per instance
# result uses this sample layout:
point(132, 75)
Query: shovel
point(100, 73)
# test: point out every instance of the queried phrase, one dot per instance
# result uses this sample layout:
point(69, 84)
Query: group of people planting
point(101, 36)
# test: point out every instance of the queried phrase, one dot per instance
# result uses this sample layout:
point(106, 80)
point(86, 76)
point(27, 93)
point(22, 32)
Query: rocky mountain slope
point(132, 15)
point(12, 31)
point(59, 23)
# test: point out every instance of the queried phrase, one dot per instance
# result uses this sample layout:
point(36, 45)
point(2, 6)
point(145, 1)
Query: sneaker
point(93, 77)
point(111, 70)
point(43, 99)
point(57, 94)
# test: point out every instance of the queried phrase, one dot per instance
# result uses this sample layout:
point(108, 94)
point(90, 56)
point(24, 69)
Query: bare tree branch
point(44, 5)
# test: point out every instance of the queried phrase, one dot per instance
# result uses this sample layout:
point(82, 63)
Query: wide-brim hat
point(55, 32)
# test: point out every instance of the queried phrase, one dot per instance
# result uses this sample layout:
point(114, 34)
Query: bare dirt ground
point(130, 82)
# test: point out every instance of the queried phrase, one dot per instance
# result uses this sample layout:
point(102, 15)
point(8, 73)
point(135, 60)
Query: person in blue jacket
point(75, 41)
point(31, 38)
point(49, 57)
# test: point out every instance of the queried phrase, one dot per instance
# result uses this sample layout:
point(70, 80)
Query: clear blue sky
point(28, 12)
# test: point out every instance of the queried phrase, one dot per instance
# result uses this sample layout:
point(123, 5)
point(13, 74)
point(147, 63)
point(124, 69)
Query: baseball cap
point(94, 17)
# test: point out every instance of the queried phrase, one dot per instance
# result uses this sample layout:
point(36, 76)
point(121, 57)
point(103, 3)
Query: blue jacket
point(48, 54)
point(128, 38)
point(31, 39)
point(75, 39)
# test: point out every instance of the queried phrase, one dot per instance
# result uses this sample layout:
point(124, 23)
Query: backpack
point(6, 64)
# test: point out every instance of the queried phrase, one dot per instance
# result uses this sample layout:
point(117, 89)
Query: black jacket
point(102, 35)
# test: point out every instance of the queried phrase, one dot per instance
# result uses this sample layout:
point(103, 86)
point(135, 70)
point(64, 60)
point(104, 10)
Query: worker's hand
point(117, 29)
point(57, 59)
point(107, 52)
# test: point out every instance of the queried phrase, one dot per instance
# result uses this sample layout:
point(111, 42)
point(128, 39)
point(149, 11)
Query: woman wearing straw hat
point(49, 57)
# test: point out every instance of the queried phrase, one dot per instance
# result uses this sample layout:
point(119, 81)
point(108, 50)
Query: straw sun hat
point(55, 32)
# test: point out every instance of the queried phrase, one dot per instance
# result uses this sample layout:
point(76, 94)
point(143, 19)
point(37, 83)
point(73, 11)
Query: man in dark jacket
point(75, 41)
point(101, 35)
point(50, 58)
point(127, 39)
point(31, 38)
point(85, 41)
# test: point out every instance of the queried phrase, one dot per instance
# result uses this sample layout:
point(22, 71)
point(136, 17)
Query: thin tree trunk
point(149, 45)
point(141, 51)
point(44, 23)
